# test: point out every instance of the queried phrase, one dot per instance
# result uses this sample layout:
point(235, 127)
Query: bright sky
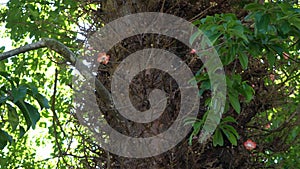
point(3, 2)
point(4, 41)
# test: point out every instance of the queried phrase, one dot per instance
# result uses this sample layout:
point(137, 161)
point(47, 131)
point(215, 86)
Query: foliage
point(271, 34)
point(260, 54)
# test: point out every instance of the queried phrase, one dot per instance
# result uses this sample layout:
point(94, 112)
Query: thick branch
point(49, 43)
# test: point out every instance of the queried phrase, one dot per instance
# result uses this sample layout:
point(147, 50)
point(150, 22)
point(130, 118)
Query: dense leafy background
point(260, 53)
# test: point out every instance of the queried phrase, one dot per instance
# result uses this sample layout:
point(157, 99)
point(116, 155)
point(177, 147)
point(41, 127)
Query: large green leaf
point(263, 23)
point(33, 114)
point(30, 113)
point(214, 37)
point(231, 137)
point(295, 21)
point(4, 138)
point(13, 117)
point(43, 101)
point(243, 60)
point(235, 103)
point(231, 129)
point(2, 48)
point(228, 119)
point(218, 138)
point(247, 91)
point(2, 66)
point(22, 131)
point(285, 27)
point(3, 99)
point(19, 93)
point(271, 59)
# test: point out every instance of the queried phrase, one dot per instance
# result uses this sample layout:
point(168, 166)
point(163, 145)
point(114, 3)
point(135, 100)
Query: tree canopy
point(257, 43)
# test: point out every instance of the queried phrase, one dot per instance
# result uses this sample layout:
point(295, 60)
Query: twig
point(200, 14)
point(55, 118)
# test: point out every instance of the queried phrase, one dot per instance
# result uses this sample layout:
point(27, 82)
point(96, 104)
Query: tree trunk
point(183, 155)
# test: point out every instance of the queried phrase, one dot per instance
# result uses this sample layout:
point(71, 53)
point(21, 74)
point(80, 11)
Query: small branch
point(55, 118)
point(53, 103)
point(201, 13)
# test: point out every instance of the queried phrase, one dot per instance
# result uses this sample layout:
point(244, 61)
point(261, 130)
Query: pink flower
point(193, 51)
point(285, 55)
point(103, 58)
point(249, 144)
point(272, 77)
point(267, 126)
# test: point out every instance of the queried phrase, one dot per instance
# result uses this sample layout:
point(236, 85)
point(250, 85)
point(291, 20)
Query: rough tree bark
point(183, 155)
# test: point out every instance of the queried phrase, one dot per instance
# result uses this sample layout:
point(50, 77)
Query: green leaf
point(231, 129)
point(247, 91)
point(201, 76)
point(4, 139)
point(2, 48)
point(197, 126)
point(234, 101)
point(243, 60)
point(22, 131)
point(19, 93)
point(2, 66)
point(231, 137)
point(228, 119)
point(218, 138)
point(33, 89)
point(33, 114)
point(285, 27)
point(229, 17)
point(3, 99)
point(30, 113)
point(205, 85)
point(295, 21)
point(257, 17)
point(277, 48)
point(238, 31)
point(271, 58)
point(13, 117)
point(42, 100)
point(263, 23)
point(231, 55)
point(214, 37)
point(237, 79)
point(25, 113)
point(229, 82)
point(190, 120)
